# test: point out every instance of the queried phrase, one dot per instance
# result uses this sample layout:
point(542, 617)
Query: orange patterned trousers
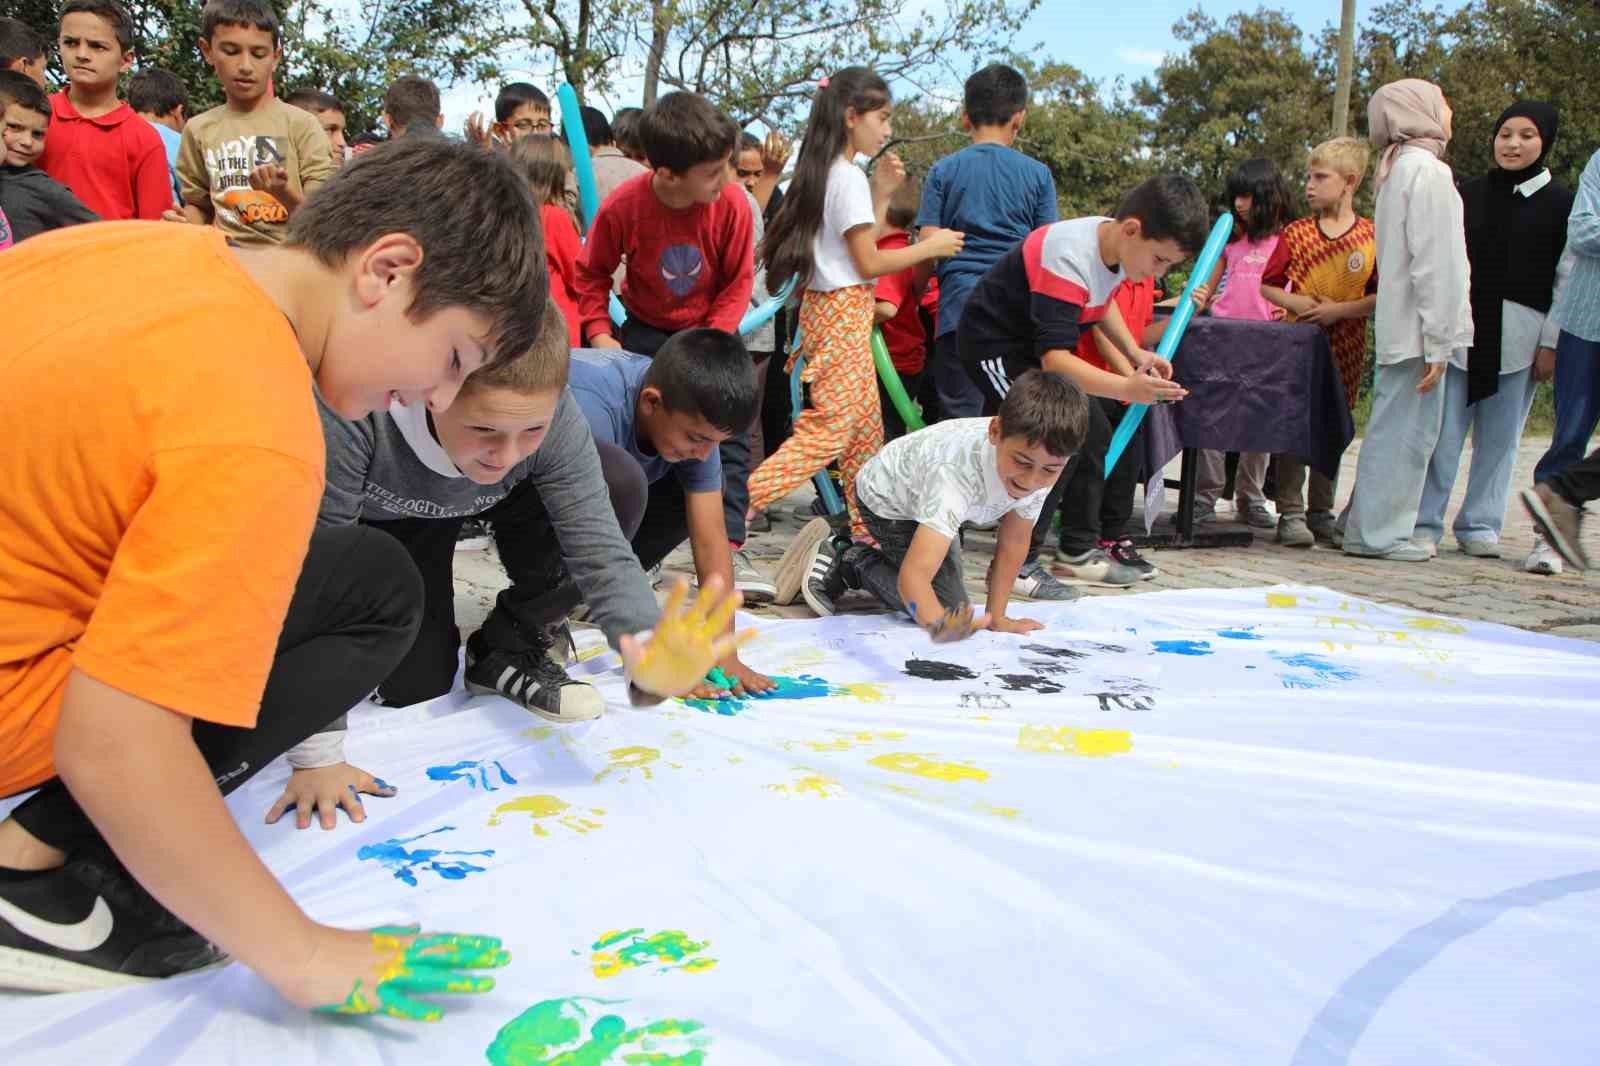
point(843, 422)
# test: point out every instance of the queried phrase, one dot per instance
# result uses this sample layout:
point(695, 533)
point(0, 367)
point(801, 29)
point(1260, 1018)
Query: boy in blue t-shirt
point(671, 413)
point(996, 196)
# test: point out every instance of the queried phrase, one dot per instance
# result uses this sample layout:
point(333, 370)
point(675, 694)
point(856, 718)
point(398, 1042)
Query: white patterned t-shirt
point(940, 477)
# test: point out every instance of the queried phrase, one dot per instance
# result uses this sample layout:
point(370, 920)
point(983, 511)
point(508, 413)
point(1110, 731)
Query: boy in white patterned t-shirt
point(917, 491)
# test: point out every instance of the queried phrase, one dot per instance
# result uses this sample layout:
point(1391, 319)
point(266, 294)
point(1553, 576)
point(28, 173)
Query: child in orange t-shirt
point(172, 623)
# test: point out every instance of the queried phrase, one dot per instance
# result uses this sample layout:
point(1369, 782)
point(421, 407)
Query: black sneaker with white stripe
point(824, 581)
point(532, 676)
point(89, 925)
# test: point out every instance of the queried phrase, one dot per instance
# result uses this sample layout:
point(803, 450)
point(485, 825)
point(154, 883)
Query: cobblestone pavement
point(1454, 584)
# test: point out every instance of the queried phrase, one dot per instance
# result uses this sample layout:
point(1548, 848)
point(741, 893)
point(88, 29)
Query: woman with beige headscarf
point(1423, 320)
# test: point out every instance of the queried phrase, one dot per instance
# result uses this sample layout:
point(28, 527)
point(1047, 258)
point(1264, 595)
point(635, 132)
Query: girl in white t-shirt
point(825, 234)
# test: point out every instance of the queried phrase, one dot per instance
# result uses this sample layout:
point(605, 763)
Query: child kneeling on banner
point(917, 491)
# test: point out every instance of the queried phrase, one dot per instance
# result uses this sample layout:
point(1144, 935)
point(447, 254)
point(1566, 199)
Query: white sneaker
point(1543, 559)
point(750, 581)
point(1095, 567)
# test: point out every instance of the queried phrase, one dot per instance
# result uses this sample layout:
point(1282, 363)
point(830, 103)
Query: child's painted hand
point(746, 680)
point(941, 243)
point(1019, 626)
point(325, 789)
point(957, 623)
point(382, 971)
point(687, 640)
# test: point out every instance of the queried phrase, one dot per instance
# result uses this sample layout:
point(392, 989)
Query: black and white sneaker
point(532, 677)
point(824, 581)
point(1123, 551)
point(89, 925)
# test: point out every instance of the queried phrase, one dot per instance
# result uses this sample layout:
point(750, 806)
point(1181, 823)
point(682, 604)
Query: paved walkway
point(1453, 584)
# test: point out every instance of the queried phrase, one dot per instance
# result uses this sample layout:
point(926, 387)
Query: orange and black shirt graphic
point(229, 163)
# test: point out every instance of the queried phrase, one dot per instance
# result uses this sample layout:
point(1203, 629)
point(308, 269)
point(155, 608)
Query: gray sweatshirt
point(389, 466)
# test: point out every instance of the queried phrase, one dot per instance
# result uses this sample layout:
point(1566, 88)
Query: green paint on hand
point(551, 1033)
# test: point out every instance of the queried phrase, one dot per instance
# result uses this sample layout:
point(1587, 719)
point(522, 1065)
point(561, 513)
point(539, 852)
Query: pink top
point(1241, 280)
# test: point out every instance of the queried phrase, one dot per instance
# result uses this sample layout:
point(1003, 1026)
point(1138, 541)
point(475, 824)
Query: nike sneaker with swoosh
point(89, 925)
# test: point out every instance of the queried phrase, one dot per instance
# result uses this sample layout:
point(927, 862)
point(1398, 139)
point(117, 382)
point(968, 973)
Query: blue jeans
point(1577, 404)
point(1495, 423)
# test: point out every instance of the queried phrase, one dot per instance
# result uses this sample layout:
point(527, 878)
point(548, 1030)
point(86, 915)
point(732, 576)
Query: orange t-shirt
point(160, 468)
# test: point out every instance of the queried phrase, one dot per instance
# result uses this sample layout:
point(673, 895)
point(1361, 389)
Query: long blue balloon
point(578, 141)
point(1203, 266)
point(831, 500)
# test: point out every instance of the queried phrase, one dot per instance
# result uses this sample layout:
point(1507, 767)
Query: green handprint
point(428, 964)
point(551, 1033)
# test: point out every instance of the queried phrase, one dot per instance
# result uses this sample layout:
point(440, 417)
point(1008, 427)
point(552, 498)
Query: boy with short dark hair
point(330, 116)
point(996, 196)
point(173, 623)
point(1325, 271)
point(917, 492)
point(110, 158)
point(684, 229)
point(249, 163)
point(160, 98)
point(896, 312)
point(611, 167)
point(625, 131)
point(670, 413)
point(22, 50)
point(411, 108)
point(1029, 311)
point(31, 200)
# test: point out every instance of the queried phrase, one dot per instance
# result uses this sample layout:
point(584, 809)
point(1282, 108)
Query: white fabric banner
point(1236, 827)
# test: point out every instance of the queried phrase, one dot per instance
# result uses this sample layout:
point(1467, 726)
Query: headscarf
point(1406, 112)
point(1513, 242)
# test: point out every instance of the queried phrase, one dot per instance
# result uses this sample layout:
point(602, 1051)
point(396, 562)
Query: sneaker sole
point(476, 689)
point(796, 561)
point(1545, 523)
point(757, 592)
point(28, 971)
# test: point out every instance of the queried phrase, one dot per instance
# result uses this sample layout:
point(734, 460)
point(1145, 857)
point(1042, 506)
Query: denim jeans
point(878, 569)
point(1577, 404)
point(1401, 436)
point(1495, 423)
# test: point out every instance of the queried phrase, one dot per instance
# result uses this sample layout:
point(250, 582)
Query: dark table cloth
point(1253, 387)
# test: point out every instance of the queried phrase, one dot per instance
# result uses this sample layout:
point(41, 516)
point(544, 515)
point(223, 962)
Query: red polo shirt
point(115, 163)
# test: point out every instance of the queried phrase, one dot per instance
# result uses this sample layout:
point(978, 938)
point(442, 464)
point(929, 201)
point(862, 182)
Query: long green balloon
point(910, 413)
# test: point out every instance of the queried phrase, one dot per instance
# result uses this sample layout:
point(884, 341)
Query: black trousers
point(541, 591)
point(893, 425)
point(878, 569)
point(641, 337)
point(354, 613)
point(1580, 482)
point(1082, 490)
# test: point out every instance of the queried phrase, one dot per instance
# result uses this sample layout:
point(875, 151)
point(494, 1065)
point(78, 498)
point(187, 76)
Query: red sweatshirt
point(115, 163)
point(562, 248)
point(686, 268)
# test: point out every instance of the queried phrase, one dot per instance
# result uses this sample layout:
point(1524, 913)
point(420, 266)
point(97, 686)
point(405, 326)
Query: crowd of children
point(210, 565)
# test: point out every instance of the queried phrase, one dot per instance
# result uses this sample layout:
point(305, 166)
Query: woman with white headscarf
point(1423, 320)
